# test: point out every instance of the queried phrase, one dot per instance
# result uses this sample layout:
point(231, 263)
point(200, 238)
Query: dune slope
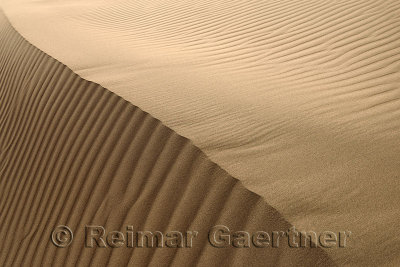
point(298, 99)
point(73, 153)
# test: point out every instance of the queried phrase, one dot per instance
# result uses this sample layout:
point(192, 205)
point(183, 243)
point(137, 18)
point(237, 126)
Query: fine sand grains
point(73, 153)
point(298, 99)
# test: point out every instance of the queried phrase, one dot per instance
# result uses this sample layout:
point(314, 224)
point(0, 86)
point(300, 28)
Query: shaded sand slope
point(73, 153)
point(298, 99)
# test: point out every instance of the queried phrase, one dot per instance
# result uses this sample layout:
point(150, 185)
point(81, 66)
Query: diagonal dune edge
point(73, 153)
point(299, 100)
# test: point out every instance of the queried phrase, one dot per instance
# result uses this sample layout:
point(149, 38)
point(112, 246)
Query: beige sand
point(297, 99)
point(73, 153)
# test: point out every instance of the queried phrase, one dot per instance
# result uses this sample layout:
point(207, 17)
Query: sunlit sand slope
point(298, 99)
point(73, 153)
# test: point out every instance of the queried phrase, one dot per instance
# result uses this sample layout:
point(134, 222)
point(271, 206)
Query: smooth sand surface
point(73, 153)
point(299, 100)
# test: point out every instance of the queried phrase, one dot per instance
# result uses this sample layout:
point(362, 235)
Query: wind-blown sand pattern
point(74, 153)
point(300, 100)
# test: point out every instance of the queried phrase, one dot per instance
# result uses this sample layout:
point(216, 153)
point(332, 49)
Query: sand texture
point(73, 153)
point(297, 99)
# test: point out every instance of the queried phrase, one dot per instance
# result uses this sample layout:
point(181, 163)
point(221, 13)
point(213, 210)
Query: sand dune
point(73, 153)
point(299, 100)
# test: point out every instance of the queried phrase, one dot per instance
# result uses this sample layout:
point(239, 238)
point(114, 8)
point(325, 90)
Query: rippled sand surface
point(299, 100)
